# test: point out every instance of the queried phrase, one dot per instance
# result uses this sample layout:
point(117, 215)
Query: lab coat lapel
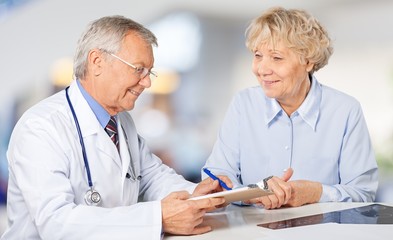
point(129, 132)
point(106, 146)
point(130, 159)
point(91, 128)
point(125, 156)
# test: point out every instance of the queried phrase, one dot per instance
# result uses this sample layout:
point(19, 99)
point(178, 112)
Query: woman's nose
point(264, 68)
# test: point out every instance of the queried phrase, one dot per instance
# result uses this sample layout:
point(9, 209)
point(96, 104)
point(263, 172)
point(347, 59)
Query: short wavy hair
point(296, 29)
point(107, 34)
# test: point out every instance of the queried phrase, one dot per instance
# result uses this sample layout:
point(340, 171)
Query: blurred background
point(202, 62)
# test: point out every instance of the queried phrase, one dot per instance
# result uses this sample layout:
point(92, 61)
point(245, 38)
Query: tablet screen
point(370, 214)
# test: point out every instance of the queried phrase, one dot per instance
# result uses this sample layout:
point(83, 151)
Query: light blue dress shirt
point(325, 140)
point(101, 114)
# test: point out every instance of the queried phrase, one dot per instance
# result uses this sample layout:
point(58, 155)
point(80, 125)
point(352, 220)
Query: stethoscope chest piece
point(92, 198)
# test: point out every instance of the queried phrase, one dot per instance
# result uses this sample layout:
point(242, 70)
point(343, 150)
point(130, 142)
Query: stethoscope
point(92, 197)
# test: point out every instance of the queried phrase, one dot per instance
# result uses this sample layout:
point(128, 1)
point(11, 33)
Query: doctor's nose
point(146, 81)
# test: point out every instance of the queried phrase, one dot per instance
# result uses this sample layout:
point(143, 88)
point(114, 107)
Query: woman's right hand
point(281, 189)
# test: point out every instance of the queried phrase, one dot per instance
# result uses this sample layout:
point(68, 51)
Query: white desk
point(241, 223)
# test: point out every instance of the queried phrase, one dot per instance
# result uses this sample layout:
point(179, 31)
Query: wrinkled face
point(281, 74)
point(116, 85)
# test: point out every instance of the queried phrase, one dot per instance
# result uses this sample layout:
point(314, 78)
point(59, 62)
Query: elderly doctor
point(69, 180)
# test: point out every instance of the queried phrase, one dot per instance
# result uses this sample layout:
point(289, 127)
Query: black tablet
point(370, 214)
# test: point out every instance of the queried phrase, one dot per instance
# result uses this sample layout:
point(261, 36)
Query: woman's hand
point(282, 192)
point(304, 192)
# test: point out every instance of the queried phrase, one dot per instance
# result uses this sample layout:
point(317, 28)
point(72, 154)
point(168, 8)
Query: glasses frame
point(145, 71)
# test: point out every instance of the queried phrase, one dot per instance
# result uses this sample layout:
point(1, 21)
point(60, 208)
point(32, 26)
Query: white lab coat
point(48, 180)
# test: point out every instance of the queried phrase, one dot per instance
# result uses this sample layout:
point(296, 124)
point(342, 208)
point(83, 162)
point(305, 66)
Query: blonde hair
point(294, 28)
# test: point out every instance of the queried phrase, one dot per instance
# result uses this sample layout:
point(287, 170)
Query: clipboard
point(238, 194)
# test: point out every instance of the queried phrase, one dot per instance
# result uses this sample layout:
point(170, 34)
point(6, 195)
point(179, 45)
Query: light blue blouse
point(325, 140)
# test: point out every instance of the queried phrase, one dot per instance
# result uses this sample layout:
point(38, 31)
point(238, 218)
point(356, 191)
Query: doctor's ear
point(95, 60)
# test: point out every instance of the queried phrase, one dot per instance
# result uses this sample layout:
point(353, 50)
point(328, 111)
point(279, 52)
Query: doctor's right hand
point(182, 217)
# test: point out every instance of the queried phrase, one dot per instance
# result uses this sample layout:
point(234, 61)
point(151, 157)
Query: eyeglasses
point(141, 71)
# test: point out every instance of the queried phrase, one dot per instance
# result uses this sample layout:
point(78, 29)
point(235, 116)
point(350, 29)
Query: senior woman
point(293, 122)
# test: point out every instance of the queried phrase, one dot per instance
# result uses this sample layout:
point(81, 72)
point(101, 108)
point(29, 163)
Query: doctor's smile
point(134, 92)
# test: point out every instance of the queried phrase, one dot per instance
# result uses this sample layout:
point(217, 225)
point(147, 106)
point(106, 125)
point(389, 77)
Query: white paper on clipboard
point(238, 194)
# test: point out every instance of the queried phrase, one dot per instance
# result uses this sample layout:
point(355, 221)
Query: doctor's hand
point(282, 192)
point(184, 217)
point(209, 185)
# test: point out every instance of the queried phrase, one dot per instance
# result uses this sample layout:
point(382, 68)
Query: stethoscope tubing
point(80, 140)
point(92, 197)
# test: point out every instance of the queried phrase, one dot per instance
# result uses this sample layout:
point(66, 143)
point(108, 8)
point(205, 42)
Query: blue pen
point(212, 176)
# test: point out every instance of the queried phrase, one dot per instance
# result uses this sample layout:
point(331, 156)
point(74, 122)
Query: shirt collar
point(101, 114)
point(308, 110)
point(273, 109)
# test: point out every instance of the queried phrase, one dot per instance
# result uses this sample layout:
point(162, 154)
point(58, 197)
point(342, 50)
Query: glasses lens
point(146, 72)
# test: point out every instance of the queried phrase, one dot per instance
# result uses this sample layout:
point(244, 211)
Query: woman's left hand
point(304, 192)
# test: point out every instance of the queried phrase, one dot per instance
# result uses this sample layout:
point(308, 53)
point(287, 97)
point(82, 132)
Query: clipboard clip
point(263, 184)
point(253, 185)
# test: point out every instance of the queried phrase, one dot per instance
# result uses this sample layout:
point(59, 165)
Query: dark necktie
point(111, 129)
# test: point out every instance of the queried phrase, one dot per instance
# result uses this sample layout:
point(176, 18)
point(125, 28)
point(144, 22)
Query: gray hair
point(106, 34)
